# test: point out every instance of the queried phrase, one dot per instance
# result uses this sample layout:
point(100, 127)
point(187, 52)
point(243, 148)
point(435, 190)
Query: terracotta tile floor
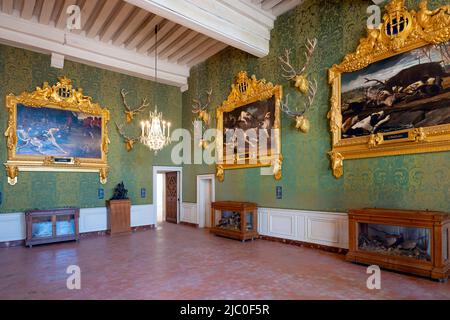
point(180, 262)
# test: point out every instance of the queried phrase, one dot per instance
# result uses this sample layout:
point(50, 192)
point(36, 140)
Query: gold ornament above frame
point(392, 95)
point(258, 103)
point(56, 128)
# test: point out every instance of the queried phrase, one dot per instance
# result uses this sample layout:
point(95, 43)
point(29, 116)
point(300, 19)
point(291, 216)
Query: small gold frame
point(59, 96)
point(424, 27)
point(245, 91)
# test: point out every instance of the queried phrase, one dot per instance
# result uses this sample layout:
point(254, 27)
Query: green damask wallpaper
point(416, 181)
point(22, 70)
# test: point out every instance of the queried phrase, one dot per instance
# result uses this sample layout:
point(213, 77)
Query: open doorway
point(167, 193)
point(205, 196)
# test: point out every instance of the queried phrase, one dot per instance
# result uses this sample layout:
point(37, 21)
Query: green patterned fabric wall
point(22, 70)
point(419, 181)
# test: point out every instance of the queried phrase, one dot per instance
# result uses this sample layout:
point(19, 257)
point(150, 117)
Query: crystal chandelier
point(155, 132)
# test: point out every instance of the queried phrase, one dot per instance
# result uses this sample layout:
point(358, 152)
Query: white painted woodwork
point(100, 19)
point(46, 11)
point(189, 213)
point(324, 228)
point(137, 17)
point(143, 32)
point(7, 6)
point(57, 61)
point(13, 227)
point(27, 9)
point(149, 43)
point(195, 51)
point(62, 18)
point(191, 45)
point(190, 31)
point(222, 22)
point(37, 37)
point(114, 23)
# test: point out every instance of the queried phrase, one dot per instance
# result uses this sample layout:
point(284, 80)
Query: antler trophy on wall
point(130, 113)
point(201, 110)
point(301, 83)
point(129, 141)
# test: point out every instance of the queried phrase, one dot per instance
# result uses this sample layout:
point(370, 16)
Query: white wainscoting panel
point(189, 213)
point(93, 219)
point(324, 228)
point(12, 225)
point(142, 215)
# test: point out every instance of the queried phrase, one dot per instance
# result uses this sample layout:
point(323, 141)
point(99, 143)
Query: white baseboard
point(12, 225)
point(189, 213)
point(324, 228)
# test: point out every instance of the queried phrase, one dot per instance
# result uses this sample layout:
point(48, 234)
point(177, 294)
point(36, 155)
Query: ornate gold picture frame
point(252, 105)
point(365, 114)
point(56, 128)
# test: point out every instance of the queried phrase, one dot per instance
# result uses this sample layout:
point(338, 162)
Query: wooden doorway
point(171, 196)
point(205, 196)
point(167, 194)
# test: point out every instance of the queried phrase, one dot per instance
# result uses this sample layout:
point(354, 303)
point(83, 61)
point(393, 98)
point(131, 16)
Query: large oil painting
point(254, 121)
point(248, 124)
point(56, 128)
point(409, 90)
point(391, 96)
point(58, 133)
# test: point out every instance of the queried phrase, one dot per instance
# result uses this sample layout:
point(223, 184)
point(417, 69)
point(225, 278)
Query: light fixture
point(155, 132)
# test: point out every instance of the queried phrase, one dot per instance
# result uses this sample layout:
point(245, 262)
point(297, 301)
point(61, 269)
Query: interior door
point(207, 204)
point(171, 197)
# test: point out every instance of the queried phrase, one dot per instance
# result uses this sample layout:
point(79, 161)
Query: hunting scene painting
point(58, 133)
point(410, 90)
point(251, 123)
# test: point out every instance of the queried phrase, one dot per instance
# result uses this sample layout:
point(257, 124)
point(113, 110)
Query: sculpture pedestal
point(118, 217)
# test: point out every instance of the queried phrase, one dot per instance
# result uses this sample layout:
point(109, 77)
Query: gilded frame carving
point(59, 96)
point(426, 27)
point(245, 91)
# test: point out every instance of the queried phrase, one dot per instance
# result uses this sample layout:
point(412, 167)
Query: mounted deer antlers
point(130, 113)
point(301, 122)
point(202, 109)
point(129, 142)
point(301, 83)
point(290, 73)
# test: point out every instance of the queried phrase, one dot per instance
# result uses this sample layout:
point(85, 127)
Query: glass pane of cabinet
point(42, 227)
point(412, 242)
point(249, 221)
point(65, 225)
point(229, 220)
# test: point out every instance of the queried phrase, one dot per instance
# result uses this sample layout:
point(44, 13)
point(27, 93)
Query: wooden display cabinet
point(54, 225)
point(416, 242)
point(236, 220)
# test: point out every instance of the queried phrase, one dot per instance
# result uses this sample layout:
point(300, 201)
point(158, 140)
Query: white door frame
point(165, 169)
point(211, 177)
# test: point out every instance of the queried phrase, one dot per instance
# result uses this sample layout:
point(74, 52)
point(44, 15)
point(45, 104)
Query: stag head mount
point(301, 122)
point(300, 76)
point(302, 83)
point(129, 141)
point(201, 109)
point(129, 112)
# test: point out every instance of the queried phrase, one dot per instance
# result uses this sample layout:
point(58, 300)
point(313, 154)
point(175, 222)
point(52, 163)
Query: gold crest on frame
point(392, 95)
point(252, 104)
point(56, 128)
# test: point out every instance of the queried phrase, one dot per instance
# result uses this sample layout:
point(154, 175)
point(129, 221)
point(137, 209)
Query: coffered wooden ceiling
point(119, 34)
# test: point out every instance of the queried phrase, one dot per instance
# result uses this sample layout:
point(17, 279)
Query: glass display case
point(55, 225)
point(404, 240)
point(412, 242)
point(236, 220)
